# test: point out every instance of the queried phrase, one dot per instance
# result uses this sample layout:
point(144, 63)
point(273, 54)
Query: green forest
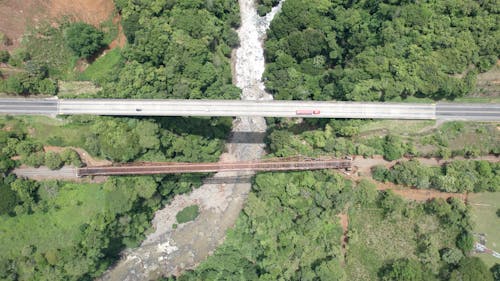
point(389, 238)
point(174, 50)
point(177, 49)
point(388, 50)
point(38, 241)
point(379, 50)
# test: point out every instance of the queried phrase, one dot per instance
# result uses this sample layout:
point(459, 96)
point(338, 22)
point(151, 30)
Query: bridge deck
point(175, 168)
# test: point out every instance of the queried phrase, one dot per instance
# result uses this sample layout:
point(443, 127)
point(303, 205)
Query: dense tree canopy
point(471, 269)
point(300, 242)
point(456, 176)
point(177, 49)
point(380, 50)
point(84, 39)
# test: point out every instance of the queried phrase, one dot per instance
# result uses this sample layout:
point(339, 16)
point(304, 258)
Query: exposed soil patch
point(344, 222)
point(418, 194)
point(17, 15)
point(362, 169)
point(488, 83)
point(76, 88)
point(120, 40)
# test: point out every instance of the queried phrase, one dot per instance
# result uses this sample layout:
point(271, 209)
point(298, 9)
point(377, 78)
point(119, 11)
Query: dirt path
point(362, 169)
point(418, 194)
point(84, 155)
point(344, 222)
point(67, 173)
point(362, 166)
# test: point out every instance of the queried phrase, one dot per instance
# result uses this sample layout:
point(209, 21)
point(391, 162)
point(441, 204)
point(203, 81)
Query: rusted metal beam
point(176, 168)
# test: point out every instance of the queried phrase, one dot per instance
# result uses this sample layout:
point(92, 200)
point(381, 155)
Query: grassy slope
point(44, 129)
point(50, 48)
point(377, 239)
point(53, 229)
point(484, 207)
point(484, 136)
point(103, 66)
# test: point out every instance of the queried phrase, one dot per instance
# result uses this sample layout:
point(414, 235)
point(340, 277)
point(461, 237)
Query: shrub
point(8, 199)
point(495, 270)
point(451, 256)
point(53, 160)
point(393, 148)
point(403, 270)
point(471, 269)
point(34, 159)
point(381, 173)
point(465, 242)
point(69, 156)
point(187, 214)
point(84, 39)
point(4, 56)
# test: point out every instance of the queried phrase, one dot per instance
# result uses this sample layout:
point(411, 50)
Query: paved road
point(307, 109)
point(44, 173)
point(472, 112)
point(28, 106)
point(248, 108)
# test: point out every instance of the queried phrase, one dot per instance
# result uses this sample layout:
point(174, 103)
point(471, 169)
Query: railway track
point(176, 168)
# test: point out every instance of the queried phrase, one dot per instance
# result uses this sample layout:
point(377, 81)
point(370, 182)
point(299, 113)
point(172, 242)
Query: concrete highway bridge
point(305, 109)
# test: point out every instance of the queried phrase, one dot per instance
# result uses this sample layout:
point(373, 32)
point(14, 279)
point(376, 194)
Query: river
point(168, 251)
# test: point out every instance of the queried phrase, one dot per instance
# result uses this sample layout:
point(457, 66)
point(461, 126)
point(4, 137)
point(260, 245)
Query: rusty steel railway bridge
point(277, 164)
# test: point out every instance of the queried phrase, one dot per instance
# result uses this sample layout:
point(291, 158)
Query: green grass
point(59, 227)
point(48, 131)
point(484, 207)
point(427, 137)
point(103, 67)
point(483, 136)
point(397, 127)
point(187, 214)
point(109, 28)
point(375, 240)
point(495, 99)
point(46, 45)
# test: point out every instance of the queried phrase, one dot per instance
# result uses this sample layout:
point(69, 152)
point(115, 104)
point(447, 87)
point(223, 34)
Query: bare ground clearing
point(17, 15)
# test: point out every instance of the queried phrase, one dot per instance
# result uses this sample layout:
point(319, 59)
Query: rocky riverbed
point(169, 251)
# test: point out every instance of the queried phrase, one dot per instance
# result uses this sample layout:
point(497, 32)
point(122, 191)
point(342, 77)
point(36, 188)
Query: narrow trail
point(169, 251)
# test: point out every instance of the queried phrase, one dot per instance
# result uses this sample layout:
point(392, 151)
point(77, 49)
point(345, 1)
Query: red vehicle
point(307, 112)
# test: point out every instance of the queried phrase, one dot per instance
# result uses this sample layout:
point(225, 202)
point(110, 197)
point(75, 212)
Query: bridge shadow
point(246, 137)
point(229, 180)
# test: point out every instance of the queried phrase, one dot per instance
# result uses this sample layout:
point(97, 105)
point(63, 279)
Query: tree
point(4, 56)
point(495, 270)
point(465, 242)
point(393, 148)
point(365, 192)
point(390, 202)
point(69, 156)
point(451, 256)
point(403, 270)
point(53, 160)
point(84, 39)
point(471, 269)
point(8, 199)
point(381, 173)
